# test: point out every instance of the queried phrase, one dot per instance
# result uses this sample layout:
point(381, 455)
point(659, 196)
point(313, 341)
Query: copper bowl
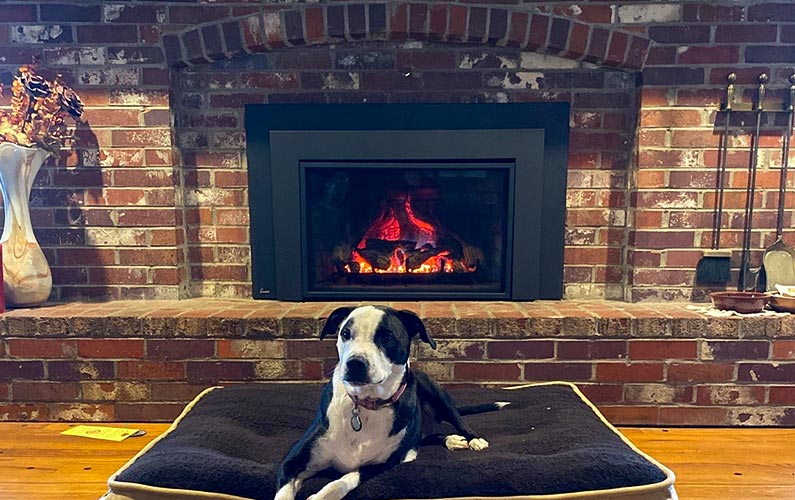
point(742, 302)
point(783, 303)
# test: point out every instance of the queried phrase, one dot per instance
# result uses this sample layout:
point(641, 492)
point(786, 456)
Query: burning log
point(418, 256)
point(375, 257)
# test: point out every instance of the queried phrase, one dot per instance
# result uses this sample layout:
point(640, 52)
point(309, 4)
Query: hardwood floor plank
point(711, 464)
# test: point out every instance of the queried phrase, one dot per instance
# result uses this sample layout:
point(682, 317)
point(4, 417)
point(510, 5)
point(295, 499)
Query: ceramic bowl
point(783, 303)
point(742, 302)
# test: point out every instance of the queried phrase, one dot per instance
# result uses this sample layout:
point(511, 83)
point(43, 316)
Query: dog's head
point(373, 344)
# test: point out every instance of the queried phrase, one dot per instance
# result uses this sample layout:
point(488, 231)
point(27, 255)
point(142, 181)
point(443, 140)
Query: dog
point(375, 410)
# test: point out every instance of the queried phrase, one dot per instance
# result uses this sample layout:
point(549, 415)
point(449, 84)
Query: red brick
point(778, 372)
point(539, 27)
point(493, 372)
point(176, 391)
point(558, 371)
point(196, 15)
point(213, 371)
point(689, 415)
point(617, 49)
point(23, 412)
point(79, 256)
point(17, 13)
point(670, 118)
point(709, 55)
point(105, 34)
point(634, 372)
point(700, 372)
point(586, 256)
point(180, 349)
point(709, 12)
point(733, 350)
point(150, 370)
point(148, 412)
point(631, 415)
point(516, 349)
point(771, 11)
point(783, 349)
point(41, 348)
point(148, 257)
point(663, 349)
point(110, 348)
point(599, 349)
point(742, 33)
point(664, 240)
point(680, 34)
point(661, 56)
point(782, 395)
point(45, 391)
point(602, 393)
point(314, 25)
point(13, 370)
point(398, 24)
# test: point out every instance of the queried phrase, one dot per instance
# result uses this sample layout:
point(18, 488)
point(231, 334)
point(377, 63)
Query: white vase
point(27, 279)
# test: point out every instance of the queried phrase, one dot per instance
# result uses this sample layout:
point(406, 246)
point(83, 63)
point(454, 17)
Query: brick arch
point(403, 21)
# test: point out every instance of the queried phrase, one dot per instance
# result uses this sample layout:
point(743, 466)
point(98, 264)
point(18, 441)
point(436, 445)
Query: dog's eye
point(387, 338)
point(345, 334)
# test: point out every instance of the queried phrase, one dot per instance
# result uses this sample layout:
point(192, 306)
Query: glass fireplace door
point(406, 228)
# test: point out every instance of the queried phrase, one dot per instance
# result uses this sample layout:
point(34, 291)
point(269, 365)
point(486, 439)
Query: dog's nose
point(356, 370)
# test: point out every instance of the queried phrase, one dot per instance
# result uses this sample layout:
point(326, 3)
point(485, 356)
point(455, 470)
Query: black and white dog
point(375, 410)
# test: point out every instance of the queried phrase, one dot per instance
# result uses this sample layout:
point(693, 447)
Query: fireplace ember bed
point(415, 201)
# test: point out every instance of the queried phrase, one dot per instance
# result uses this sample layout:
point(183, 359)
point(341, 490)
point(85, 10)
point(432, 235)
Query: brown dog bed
point(551, 442)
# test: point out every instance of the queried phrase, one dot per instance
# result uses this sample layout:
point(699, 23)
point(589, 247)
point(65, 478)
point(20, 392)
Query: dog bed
point(551, 442)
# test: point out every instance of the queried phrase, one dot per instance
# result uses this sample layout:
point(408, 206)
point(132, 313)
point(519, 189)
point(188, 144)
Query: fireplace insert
point(353, 202)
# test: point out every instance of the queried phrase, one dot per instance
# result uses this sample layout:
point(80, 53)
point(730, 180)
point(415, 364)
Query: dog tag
point(356, 422)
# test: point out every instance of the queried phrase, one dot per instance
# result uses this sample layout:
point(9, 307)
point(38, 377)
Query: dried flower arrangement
point(38, 110)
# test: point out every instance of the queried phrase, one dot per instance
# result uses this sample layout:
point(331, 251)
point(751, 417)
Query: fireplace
point(419, 201)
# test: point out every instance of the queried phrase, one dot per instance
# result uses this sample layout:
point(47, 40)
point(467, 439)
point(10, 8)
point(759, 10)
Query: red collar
point(377, 404)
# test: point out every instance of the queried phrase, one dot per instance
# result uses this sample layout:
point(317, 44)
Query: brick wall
point(151, 203)
point(142, 361)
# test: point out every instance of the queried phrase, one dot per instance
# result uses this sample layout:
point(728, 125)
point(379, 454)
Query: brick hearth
point(660, 364)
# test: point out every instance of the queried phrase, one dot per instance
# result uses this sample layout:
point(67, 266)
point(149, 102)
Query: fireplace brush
point(714, 268)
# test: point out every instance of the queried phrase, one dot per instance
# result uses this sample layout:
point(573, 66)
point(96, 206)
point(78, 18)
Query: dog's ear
point(334, 319)
point(415, 326)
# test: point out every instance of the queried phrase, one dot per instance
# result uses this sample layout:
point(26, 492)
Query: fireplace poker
point(745, 263)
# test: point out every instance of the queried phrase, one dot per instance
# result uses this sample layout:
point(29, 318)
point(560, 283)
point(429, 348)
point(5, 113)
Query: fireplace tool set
point(778, 262)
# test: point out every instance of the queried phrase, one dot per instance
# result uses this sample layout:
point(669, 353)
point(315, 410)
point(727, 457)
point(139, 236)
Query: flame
point(387, 227)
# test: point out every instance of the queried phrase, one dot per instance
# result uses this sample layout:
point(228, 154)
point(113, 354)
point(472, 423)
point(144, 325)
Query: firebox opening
point(395, 225)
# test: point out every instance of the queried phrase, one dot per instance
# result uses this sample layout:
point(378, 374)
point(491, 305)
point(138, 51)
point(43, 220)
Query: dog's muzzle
point(357, 371)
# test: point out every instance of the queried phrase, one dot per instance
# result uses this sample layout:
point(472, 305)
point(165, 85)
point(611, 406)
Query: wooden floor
point(36, 462)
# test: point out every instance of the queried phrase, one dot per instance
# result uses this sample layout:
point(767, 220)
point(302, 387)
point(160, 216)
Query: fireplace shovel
point(779, 259)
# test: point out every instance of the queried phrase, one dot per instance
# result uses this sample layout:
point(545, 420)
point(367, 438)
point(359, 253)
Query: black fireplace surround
point(407, 201)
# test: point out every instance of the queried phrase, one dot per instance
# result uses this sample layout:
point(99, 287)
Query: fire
point(396, 241)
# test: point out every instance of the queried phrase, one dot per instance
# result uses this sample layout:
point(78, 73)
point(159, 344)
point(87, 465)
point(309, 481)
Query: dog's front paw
point(478, 444)
point(455, 442)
